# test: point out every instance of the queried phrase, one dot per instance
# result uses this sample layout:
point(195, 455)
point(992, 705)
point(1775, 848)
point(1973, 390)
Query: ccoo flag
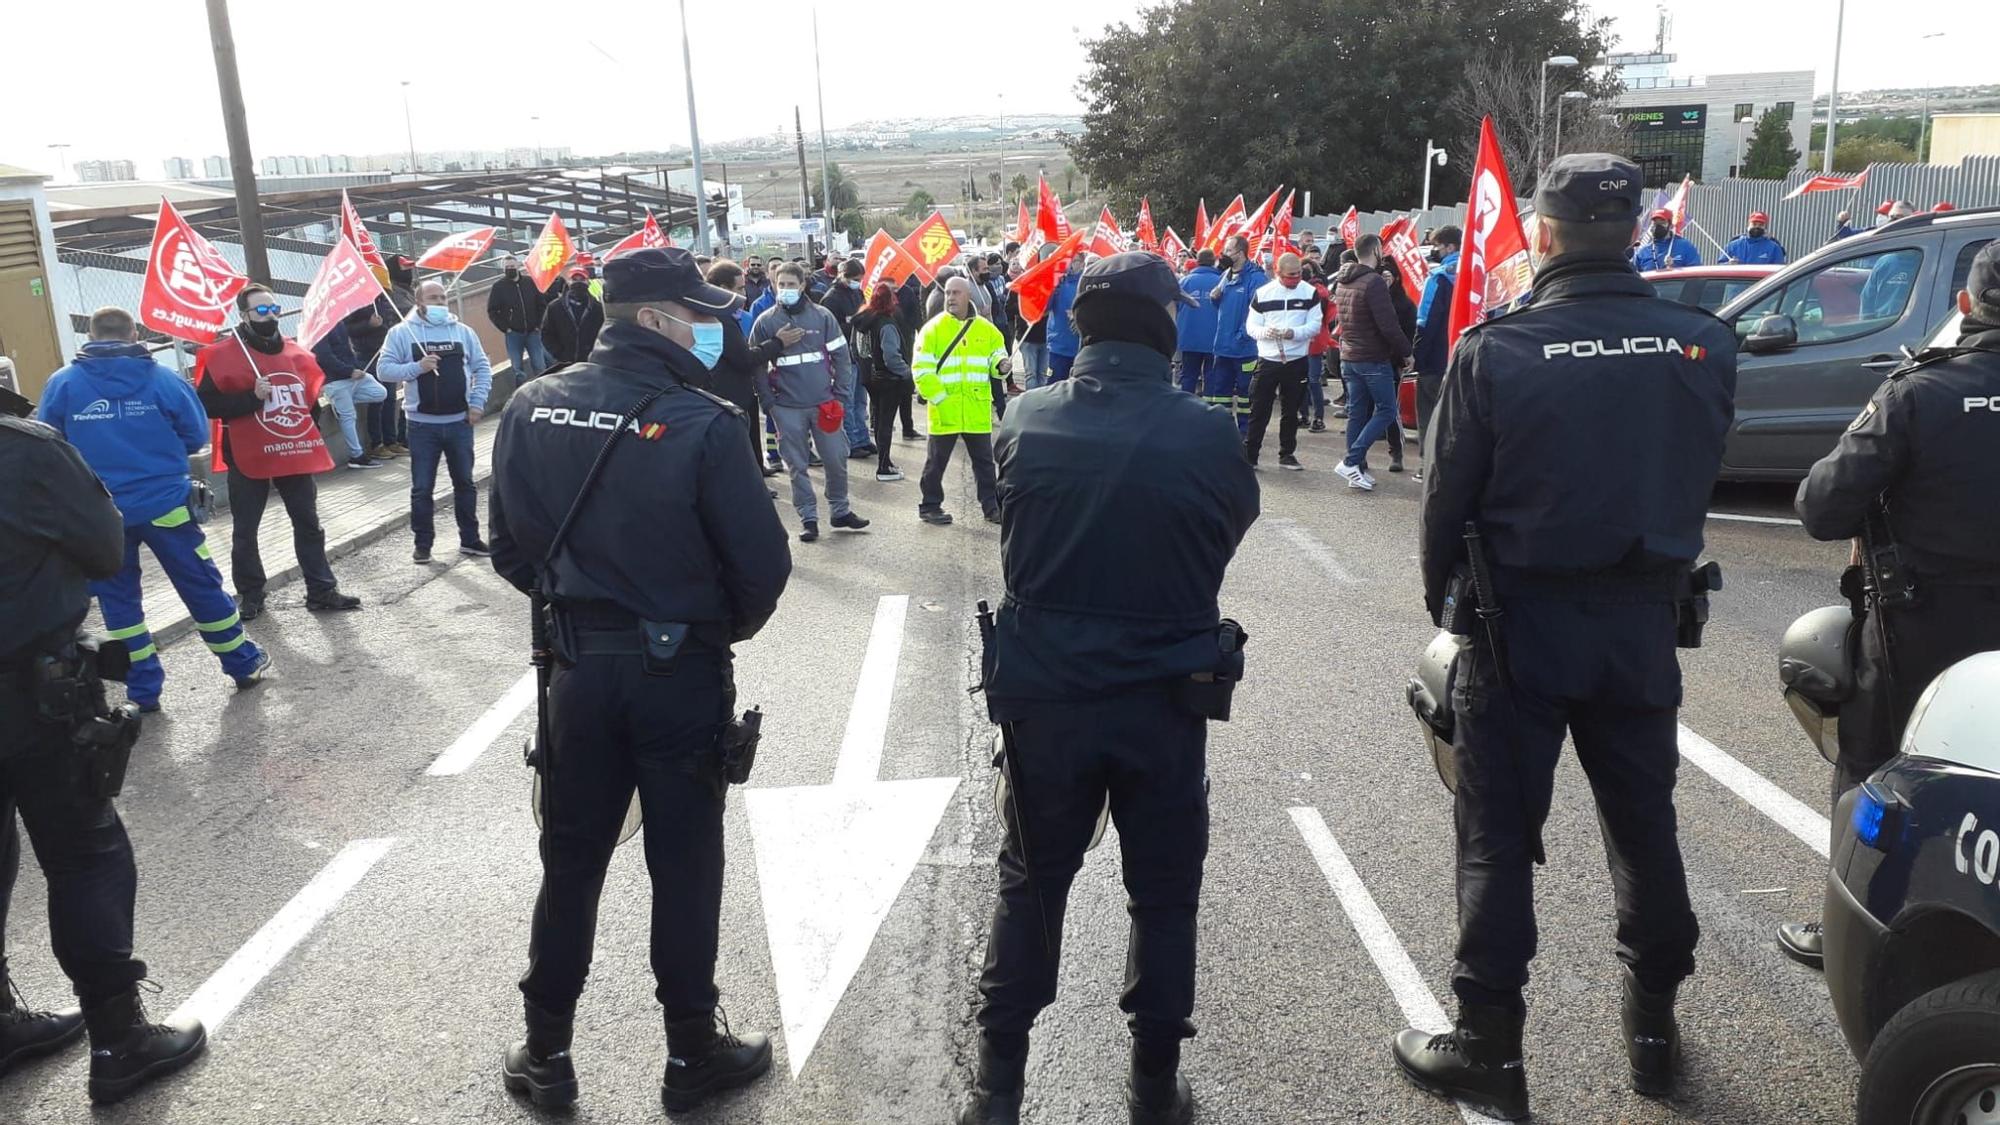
point(342, 285)
point(1399, 238)
point(1106, 239)
point(1049, 217)
point(455, 252)
point(1493, 270)
point(886, 263)
point(1039, 284)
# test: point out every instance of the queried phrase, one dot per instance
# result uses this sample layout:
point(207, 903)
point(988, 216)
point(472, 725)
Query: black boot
point(26, 1035)
point(1804, 942)
point(127, 1051)
point(1157, 1093)
point(540, 1066)
point(1652, 1038)
point(703, 1062)
point(996, 1094)
point(1478, 1061)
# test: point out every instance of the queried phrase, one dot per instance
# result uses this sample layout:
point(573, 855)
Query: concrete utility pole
point(805, 187)
point(241, 167)
point(694, 141)
point(1833, 94)
point(826, 207)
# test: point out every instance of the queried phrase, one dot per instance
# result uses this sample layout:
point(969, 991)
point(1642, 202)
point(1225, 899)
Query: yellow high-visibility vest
point(960, 397)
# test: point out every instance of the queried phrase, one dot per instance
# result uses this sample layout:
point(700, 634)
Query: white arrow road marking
point(832, 859)
point(1406, 984)
point(461, 754)
point(220, 994)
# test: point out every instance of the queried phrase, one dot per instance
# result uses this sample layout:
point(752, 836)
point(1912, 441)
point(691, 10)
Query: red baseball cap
point(1888, 205)
point(1663, 213)
point(1759, 219)
point(578, 271)
point(1944, 207)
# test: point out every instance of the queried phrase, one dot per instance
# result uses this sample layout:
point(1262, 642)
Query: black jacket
point(1641, 391)
point(1431, 351)
point(567, 335)
point(1928, 442)
point(515, 305)
point(843, 303)
point(58, 531)
point(1122, 502)
point(736, 373)
point(679, 527)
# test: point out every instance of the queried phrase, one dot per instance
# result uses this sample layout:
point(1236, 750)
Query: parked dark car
point(1707, 287)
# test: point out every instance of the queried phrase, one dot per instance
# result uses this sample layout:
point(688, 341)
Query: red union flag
point(1224, 225)
point(1144, 233)
point(1828, 183)
point(1258, 224)
point(885, 264)
point(189, 285)
point(355, 231)
point(454, 252)
point(1679, 204)
point(1280, 241)
point(1172, 248)
point(1200, 222)
point(550, 253)
point(1350, 227)
point(343, 284)
point(1493, 271)
point(1022, 229)
point(931, 245)
point(1039, 284)
point(1105, 238)
point(1400, 238)
point(1049, 217)
point(649, 236)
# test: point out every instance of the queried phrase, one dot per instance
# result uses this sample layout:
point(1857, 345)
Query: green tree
point(1020, 184)
point(846, 210)
point(1853, 155)
point(921, 203)
point(1770, 155)
point(1197, 101)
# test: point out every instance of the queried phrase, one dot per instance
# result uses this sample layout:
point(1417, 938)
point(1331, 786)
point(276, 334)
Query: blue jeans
point(525, 352)
point(1059, 366)
point(453, 442)
point(855, 420)
point(344, 394)
point(1034, 364)
point(1371, 405)
point(1315, 386)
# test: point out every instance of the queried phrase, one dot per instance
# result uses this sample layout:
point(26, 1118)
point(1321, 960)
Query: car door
point(1853, 314)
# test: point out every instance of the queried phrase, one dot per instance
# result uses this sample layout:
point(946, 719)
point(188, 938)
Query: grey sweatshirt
point(817, 368)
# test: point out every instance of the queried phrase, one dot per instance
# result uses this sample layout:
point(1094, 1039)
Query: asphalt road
point(361, 921)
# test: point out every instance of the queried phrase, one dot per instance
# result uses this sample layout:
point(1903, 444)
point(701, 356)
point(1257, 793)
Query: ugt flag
point(1172, 248)
point(1224, 225)
point(1493, 269)
point(649, 236)
point(189, 284)
point(932, 245)
point(454, 252)
point(550, 253)
point(343, 284)
point(1106, 239)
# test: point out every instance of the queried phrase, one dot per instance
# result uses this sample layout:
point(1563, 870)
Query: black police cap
point(1134, 273)
point(1984, 280)
point(662, 275)
point(1590, 187)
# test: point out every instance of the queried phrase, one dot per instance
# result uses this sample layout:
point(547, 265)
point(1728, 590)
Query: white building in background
point(682, 179)
point(215, 167)
point(105, 171)
point(179, 168)
point(1692, 124)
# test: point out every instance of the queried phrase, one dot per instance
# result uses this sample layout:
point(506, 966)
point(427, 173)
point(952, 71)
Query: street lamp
point(1568, 96)
point(62, 155)
point(535, 122)
point(1747, 120)
point(1924, 130)
point(1433, 155)
point(1542, 103)
point(409, 130)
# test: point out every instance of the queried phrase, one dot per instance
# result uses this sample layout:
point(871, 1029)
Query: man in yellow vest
point(958, 354)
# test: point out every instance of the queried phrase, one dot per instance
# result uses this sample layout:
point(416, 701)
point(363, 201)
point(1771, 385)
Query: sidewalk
point(356, 508)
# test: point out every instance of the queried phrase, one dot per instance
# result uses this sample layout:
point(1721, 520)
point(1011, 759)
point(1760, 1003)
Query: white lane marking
point(1781, 521)
point(1785, 810)
point(461, 754)
point(220, 994)
point(1412, 995)
point(1317, 551)
point(860, 758)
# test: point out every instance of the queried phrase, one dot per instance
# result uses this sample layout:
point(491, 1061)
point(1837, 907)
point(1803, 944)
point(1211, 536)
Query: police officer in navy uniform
point(58, 530)
point(1589, 543)
point(674, 556)
point(1102, 669)
point(1922, 460)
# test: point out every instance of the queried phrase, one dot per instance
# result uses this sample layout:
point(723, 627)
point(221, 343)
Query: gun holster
point(738, 746)
point(1208, 694)
point(1691, 608)
point(69, 693)
point(1460, 603)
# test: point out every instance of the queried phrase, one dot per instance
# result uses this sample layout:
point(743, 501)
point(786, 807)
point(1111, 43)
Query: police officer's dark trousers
point(1150, 758)
point(1949, 622)
point(78, 839)
point(615, 727)
point(1607, 673)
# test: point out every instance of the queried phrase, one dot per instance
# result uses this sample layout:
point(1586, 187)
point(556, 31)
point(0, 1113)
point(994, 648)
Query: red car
point(1707, 287)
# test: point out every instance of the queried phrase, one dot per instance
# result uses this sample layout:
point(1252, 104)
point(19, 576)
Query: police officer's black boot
point(703, 1061)
point(1804, 942)
point(25, 1034)
point(127, 1050)
point(1478, 1061)
point(540, 1065)
point(1157, 1093)
point(996, 1093)
point(1652, 1038)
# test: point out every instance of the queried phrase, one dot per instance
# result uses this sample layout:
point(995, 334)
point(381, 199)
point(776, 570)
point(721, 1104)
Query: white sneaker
point(1353, 475)
point(1367, 480)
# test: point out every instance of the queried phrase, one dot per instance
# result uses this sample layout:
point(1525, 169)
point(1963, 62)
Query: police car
point(1912, 910)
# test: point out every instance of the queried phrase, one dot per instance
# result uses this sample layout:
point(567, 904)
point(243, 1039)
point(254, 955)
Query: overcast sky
point(133, 78)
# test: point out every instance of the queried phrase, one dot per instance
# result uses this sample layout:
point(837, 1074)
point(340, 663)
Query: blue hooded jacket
point(1434, 317)
point(1668, 253)
point(1063, 339)
point(135, 422)
point(1744, 250)
point(1231, 341)
point(1197, 321)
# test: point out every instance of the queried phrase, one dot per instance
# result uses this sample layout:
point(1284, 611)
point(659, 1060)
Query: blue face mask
point(707, 346)
point(788, 297)
point(437, 314)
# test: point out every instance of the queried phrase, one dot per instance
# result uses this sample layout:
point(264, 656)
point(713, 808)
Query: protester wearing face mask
point(674, 536)
point(812, 373)
point(449, 378)
point(1754, 247)
point(515, 306)
point(843, 300)
point(572, 321)
point(1662, 249)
